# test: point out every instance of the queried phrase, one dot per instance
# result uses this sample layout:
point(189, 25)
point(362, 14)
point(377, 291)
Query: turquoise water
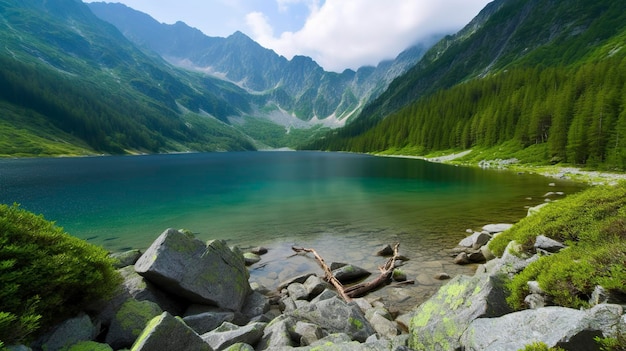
point(343, 205)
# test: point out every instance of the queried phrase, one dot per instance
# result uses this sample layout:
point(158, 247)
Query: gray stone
point(142, 290)
point(297, 279)
point(278, 333)
point(534, 288)
point(350, 273)
point(166, 333)
point(398, 275)
point(70, 332)
point(208, 274)
point(497, 228)
point(555, 326)
point(325, 295)
point(381, 311)
point(384, 251)
point(298, 291)
point(255, 305)
point(126, 258)
point(315, 286)
point(286, 304)
point(535, 209)
point(251, 258)
point(438, 323)
point(308, 333)
point(335, 338)
point(442, 276)
point(383, 326)
point(547, 244)
point(207, 321)
point(476, 257)
point(462, 259)
point(363, 304)
point(129, 321)
point(476, 240)
point(240, 347)
point(487, 254)
point(229, 334)
point(336, 316)
point(260, 250)
point(535, 301)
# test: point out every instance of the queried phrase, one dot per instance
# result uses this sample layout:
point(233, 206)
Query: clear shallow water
point(343, 205)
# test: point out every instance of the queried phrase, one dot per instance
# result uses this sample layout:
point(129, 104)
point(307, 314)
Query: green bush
point(593, 225)
point(539, 346)
point(47, 275)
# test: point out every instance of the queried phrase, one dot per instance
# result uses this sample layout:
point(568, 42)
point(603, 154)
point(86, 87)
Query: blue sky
point(337, 34)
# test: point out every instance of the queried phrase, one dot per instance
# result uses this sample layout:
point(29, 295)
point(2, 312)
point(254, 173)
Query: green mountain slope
point(72, 84)
point(535, 74)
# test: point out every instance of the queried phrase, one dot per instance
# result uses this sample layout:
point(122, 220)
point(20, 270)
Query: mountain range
point(73, 83)
point(537, 80)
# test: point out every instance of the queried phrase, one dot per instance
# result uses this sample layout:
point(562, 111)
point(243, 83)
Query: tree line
point(576, 112)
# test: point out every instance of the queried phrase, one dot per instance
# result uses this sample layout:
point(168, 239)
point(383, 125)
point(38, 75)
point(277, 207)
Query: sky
point(337, 34)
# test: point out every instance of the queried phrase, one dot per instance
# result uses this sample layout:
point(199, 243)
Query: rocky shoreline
point(184, 294)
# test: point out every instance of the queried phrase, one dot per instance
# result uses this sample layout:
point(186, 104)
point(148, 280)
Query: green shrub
point(47, 275)
point(593, 225)
point(539, 346)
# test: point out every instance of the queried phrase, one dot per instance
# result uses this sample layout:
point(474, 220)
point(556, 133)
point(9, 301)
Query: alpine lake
point(345, 206)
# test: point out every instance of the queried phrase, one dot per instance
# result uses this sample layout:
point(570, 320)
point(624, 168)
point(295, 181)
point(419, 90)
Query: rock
point(552, 184)
point(260, 250)
point(384, 327)
point(308, 333)
point(476, 257)
point(497, 228)
point(256, 304)
point(166, 333)
point(287, 304)
point(487, 254)
point(129, 321)
point(240, 347)
point(476, 240)
point(555, 326)
point(385, 251)
point(547, 244)
point(207, 321)
point(87, 346)
point(142, 290)
point(125, 259)
point(534, 288)
point(462, 259)
point(336, 316)
point(70, 332)
point(278, 333)
point(333, 339)
point(398, 275)
point(298, 279)
point(535, 301)
point(298, 291)
point(442, 276)
point(350, 273)
point(315, 285)
point(210, 274)
point(601, 295)
point(229, 334)
point(251, 258)
point(438, 323)
point(536, 209)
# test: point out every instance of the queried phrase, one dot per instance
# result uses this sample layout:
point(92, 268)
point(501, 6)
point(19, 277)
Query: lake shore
point(576, 174)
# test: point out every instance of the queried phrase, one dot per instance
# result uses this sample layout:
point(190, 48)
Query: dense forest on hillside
point(574, 114)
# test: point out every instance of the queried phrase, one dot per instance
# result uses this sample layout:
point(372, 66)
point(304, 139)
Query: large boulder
point(142, 290)
point(129, 321)
point(70, 332)
point(334, 315)
point(229, 334)
point(568, 328)
point(166, 333)
point(210, 274)
point(350, 273)
point(438, 323)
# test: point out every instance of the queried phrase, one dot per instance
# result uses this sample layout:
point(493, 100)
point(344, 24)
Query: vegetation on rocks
point(47, 275)
point(593, 226)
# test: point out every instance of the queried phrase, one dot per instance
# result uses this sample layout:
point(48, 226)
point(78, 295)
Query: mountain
point(539, 80)
point(71, 83)
point(298, 87)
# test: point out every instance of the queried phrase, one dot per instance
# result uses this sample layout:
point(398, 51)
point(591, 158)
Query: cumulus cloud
point(343, 34)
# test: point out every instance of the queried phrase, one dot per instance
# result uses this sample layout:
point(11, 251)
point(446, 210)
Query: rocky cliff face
point(298, 86)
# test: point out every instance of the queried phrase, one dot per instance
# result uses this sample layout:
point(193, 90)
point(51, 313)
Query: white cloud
point(351, 33)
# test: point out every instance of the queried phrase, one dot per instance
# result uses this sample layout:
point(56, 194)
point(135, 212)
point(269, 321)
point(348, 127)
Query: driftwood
point(357, 290)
